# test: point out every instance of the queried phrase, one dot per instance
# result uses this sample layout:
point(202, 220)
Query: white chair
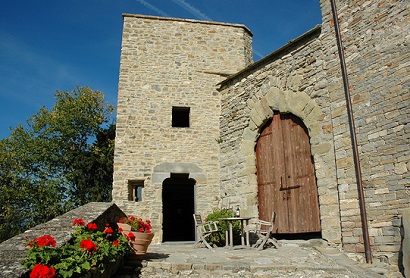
point(263, 230)
point(205, 230)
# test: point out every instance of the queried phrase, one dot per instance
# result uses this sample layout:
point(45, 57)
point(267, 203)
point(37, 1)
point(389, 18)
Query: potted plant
point(221, 213)
point(138, 233)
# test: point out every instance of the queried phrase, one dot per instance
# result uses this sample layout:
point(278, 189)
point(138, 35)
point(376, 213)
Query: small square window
point(180, 116)
point(135, 190)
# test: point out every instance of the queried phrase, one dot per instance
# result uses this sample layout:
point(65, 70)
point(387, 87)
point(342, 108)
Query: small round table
point(229, 237)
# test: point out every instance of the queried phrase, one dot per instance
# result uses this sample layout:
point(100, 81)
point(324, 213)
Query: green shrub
point(219, 240)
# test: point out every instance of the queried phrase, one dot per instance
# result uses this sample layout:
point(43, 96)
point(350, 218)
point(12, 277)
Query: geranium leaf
point(86, 265)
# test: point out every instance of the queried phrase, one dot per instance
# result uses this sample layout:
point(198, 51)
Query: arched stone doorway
point(286, 176)
point(167, 173)
point(317, 124)
point(178, 206)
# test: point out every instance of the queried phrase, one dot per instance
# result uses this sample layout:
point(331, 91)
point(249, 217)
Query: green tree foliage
point(62, 159)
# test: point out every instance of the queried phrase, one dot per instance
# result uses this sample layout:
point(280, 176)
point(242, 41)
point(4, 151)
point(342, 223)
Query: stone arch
point(297, 103)
point(164, 170)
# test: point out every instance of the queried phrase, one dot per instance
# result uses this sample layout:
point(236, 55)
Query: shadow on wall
point(404, 254)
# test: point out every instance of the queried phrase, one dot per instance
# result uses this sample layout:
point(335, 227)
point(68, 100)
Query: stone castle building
point(201, 126)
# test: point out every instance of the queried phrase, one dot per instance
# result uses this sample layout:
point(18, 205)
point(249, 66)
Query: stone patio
point(312, 258)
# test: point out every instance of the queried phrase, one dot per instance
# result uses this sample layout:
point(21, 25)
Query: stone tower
point(166, 163)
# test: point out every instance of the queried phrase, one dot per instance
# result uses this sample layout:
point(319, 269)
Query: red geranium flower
point(88, 245)
point(92, 226)
point(109, 231)
point(45, 240)
point(137, 224)
point(79, 222)
point(115, 242)
point(42, 271)
point(131, 236)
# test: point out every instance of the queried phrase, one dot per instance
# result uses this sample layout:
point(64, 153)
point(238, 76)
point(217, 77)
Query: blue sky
point(49, 45)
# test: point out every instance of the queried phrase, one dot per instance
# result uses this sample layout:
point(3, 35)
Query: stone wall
point(304, 78)
point(289, 80)
point(12, 251)
point(376, 40)
point(168, 62)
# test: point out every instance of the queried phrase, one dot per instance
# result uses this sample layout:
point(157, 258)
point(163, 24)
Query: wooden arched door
point(286, 176)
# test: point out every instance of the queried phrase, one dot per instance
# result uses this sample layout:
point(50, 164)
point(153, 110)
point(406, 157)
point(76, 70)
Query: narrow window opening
point(180, 116)
point(135, 190)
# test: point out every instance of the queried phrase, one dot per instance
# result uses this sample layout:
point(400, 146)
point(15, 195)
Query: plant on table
point(236, 226)
point(88, 247)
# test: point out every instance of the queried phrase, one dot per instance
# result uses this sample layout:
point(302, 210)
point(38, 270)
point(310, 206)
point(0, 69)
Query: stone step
point(221, 270)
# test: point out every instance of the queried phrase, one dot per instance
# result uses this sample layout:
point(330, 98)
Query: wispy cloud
point(192, 10)
point(153, 8)
point(30, 76)
point(258, 54)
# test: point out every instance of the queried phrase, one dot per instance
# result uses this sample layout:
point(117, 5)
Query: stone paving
point(292, 259)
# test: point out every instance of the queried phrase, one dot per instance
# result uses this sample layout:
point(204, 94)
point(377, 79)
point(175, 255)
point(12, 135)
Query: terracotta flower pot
point(125, 228)
point(141, 242)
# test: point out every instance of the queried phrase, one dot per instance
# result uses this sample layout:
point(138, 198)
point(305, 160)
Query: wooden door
point(286, 176)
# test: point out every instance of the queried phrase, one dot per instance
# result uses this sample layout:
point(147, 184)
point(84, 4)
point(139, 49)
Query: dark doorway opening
point(178, 206)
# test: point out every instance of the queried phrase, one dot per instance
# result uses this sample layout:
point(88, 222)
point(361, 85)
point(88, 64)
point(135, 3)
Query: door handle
point(289, 187)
